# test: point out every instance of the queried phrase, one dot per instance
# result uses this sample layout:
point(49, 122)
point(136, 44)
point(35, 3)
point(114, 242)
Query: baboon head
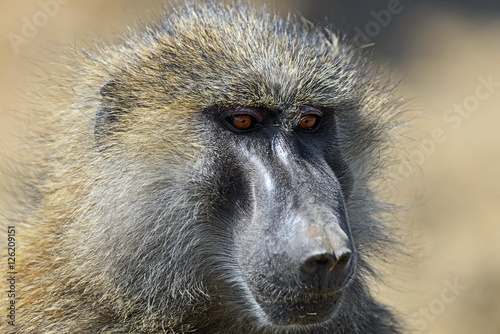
point(232, 153)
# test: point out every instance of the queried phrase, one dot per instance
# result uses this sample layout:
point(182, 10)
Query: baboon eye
point(309, 122)
point(243, 121)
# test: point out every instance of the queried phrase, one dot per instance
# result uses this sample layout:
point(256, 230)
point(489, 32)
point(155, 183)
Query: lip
point(284, 307)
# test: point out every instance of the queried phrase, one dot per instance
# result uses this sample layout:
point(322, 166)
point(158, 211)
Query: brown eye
point(308, 122)
point(242, 122)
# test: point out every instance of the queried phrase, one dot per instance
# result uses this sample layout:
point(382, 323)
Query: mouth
point(286, 307)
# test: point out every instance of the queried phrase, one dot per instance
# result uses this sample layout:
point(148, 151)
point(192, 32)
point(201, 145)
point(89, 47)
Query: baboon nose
point(327, 262)
point(326, 270)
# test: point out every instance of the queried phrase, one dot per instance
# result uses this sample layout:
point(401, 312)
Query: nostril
point(326, 269)
point(327, 260)
point(343, 261)
point(313, 263)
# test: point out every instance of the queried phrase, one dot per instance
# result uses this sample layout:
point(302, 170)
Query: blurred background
point(448, 54)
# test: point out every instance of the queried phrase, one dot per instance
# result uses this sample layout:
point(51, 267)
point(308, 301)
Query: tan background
point(442, 50)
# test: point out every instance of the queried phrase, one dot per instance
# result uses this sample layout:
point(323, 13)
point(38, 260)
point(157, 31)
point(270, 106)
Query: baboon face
point(247, 143)
point(281, 187)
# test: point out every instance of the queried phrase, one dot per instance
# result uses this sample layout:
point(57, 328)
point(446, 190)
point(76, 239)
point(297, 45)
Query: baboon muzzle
point(297, 252)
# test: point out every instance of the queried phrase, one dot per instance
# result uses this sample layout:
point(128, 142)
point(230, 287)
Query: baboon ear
point(109, 111)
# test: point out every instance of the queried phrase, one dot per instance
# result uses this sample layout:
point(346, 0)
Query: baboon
point(212, 173)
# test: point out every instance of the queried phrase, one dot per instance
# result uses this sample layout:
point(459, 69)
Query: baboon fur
point(121, 237)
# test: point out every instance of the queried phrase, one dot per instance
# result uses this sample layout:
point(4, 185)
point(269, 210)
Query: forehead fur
point(219, 55)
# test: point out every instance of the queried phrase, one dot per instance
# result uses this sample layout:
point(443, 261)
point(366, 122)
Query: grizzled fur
point(123, 238)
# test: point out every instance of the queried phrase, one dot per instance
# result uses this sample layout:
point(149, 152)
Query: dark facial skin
point(285, 189)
